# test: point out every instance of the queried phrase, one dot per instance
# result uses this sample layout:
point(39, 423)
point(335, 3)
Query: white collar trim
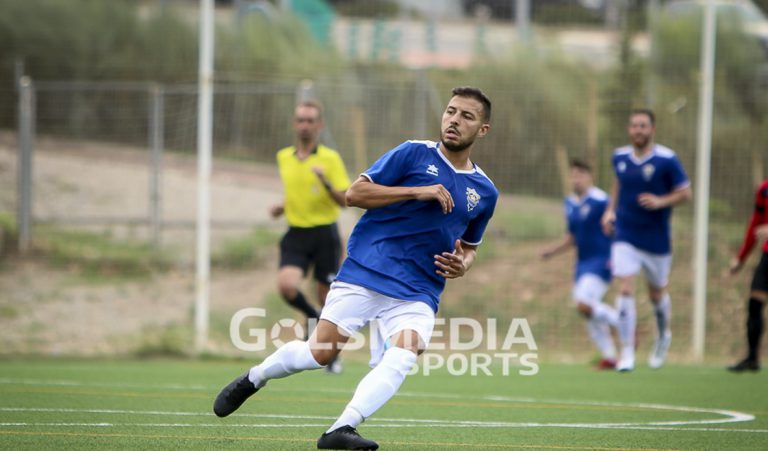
point(462, 171)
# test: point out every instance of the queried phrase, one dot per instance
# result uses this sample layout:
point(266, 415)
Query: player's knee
point(287, 291)
point(656, 294)
point(324, 356)
point(410, 341)
point(584, 309)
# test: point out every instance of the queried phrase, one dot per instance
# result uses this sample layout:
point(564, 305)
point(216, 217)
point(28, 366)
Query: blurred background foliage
point(547, 100)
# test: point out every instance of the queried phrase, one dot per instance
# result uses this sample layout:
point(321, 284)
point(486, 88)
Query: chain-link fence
point(122, 154)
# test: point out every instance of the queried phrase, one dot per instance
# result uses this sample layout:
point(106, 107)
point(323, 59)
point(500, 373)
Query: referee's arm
point(338, 196)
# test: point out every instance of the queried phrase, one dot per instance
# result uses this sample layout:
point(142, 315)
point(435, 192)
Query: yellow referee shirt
point(307, 202)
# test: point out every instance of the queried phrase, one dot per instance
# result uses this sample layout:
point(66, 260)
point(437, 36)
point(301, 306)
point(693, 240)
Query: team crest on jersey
point(432, 169)
point(648, 171)
point(622, 166)
point(584, 210)
point(472, 199)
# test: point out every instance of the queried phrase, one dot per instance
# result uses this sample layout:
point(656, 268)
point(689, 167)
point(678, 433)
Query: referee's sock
point(754, 328)
point(300, 303)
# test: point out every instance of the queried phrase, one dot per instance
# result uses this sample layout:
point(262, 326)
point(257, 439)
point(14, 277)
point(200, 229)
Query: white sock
point(627, 321)
point(663, 310)
point(377, 387)
point(290, 358)
point(601, 336)
point(606, 314)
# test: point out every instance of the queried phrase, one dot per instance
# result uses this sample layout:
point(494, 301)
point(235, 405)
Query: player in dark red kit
point(757, 231)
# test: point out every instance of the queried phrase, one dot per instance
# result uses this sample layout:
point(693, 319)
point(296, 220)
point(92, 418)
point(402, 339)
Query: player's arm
point(452, 265)
point(750, 236)
point(652, 202)
point(566, 243)
point(365, 194)
point(609, 216)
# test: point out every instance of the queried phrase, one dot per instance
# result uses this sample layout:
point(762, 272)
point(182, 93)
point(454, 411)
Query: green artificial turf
point(151, 404)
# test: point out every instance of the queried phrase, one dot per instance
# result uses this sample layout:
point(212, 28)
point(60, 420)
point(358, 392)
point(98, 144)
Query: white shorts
point(351, 307)
point(627, 260)
point(589, 289)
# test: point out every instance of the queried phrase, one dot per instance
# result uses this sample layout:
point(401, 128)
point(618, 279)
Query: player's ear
point(484, 129)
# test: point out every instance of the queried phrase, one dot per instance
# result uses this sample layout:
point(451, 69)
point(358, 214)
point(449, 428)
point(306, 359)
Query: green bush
point(97, 255)
point(250, 251)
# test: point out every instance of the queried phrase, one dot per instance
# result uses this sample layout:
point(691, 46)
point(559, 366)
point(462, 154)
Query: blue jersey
point(659, 173)
point(593, 247)
point(391, 249)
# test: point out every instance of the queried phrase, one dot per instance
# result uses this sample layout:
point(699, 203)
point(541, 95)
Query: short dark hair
point(577, 163)
point(477, 94)
point(646, 111)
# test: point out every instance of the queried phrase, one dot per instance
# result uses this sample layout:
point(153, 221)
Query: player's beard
point(456, 147)
point(641, 142)
point(461, 146)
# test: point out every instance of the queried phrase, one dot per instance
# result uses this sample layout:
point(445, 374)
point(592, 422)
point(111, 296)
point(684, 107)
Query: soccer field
point(137, 404)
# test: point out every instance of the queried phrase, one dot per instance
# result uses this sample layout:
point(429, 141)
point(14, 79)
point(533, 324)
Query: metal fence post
point(156, 143)
point(26, 145)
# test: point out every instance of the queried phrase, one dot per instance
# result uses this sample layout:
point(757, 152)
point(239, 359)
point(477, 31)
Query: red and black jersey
point(759, 217)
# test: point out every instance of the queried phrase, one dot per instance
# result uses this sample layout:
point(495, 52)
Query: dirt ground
point(52, 312)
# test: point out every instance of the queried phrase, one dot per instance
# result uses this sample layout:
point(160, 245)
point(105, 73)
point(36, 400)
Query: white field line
point(726, 416)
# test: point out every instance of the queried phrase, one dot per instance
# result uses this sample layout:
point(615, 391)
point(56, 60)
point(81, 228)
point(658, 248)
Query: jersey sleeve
point(761, 203)
point(474, 233)
point(337, 175)
point(677, 176)
point(391, 167)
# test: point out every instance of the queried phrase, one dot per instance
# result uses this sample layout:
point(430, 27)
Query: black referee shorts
point(317, 246)
point(760, 278)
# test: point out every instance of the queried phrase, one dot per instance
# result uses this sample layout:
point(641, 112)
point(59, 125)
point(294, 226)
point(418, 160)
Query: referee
point(757, 231)
point(315, 183)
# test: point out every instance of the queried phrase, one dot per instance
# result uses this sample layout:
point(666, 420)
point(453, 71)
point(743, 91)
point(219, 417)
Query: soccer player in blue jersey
point(649, 182)
point(427, 207)
point(584, 210)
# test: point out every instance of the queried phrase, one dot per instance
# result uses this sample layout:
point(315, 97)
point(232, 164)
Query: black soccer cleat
point(345, 437)
point(744, 365)
point(233, 395)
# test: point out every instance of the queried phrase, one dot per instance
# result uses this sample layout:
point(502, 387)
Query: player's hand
point(736, 266)
point(650, 201)
point(451, 264)
point(761, 233)
point(607, 221)
point(546, 255)
point(276, 210)
point(436, 192)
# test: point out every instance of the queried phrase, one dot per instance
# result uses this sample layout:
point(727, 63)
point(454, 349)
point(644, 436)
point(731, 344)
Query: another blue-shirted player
point(649, 181)
point(584, 209)
point(427, 207)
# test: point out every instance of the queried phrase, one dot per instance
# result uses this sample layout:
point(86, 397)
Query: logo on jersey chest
point(472, 199)
point(432, 169)
point(648, 171)
point(584, 210)
point(622, 166)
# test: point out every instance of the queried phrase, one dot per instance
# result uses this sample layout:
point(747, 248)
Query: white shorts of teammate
point(627, 260)
point(589, 289)
point(351, 307)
